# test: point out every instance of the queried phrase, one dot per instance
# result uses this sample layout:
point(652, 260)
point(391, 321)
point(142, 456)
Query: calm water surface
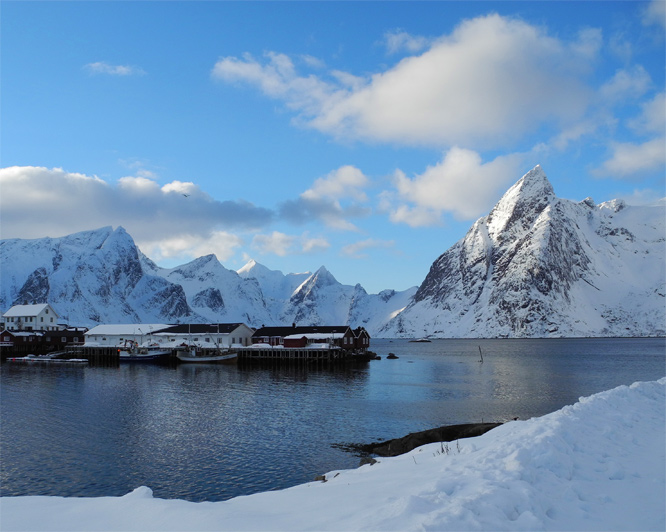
point(200, 432)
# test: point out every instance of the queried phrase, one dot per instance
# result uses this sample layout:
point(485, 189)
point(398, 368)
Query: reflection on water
point(202, 432)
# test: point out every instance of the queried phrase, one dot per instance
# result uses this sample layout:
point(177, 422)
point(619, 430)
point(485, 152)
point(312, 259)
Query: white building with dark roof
point(39, 317)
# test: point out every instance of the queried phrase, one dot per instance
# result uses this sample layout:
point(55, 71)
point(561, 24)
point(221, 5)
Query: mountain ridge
point(535, 266)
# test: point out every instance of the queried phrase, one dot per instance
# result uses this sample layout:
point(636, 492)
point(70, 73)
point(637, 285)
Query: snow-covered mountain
point(102, 277)
point(540, 266)
point(537, 266)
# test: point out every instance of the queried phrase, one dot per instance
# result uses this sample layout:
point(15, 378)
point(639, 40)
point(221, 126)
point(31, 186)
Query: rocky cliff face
point(542, 266)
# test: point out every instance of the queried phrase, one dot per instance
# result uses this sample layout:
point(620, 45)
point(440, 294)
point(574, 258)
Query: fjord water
point(207, 432)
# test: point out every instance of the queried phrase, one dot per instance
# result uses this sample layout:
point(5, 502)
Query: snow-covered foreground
point(595, 465)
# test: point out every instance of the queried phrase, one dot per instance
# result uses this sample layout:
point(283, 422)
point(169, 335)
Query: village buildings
point(35, 329)
point(215, 335)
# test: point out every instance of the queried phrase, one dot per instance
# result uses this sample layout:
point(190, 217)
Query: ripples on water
point(201, 432)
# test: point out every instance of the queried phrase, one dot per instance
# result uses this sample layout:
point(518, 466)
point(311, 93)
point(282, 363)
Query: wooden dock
point(302, 354)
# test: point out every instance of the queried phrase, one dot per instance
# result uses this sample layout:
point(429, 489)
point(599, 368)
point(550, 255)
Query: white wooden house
point(39, 317)
point(207, 335)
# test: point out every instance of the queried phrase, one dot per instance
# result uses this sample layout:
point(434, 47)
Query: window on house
point(51, 320)
point(47, 311)
point(41, 319)
point(76, 339)
point(63, 339)
point(207, 339)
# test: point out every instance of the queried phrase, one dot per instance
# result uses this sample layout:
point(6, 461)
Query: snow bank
point(595, 465)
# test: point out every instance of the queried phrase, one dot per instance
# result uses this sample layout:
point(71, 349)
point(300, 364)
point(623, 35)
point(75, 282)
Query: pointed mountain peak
point(533, 184)
point(254, 269)
point(523, 201)
point(323, 277)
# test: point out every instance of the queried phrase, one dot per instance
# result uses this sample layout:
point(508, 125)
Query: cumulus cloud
point(653, 116)
point(102, 67)
point(221, 243)
point(345, 182)
point(461, 183)
point(655, 13)
point(626, 84)
point(281, 244)
point(357, 249)
point(165, 218)
point(633, 160)
point(489, 82)
point(332, 199)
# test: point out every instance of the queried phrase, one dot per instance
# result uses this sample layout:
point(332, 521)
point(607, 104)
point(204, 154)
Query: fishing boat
point(133, 352)
point(192, 353)
point(420, 340)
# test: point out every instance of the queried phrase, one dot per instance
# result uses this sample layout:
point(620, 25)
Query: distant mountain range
point(536, 266)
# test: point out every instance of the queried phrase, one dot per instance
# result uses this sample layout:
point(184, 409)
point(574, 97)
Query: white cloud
point(102, 67)
point(281, 244)
point(161, 218)
point(398, 40)
point(488, 83)
point(346, 181)
point(220, 243)
point(460, 184)
point(357, 249)
point(630, 160)
point(655, 13)
point(626, 84)
point(653, 116)
point(332, 199)
point(644, 196)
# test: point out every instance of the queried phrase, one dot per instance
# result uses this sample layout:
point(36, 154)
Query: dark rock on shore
point(405, 444)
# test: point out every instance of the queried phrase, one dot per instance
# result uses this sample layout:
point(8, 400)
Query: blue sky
point(363, 136)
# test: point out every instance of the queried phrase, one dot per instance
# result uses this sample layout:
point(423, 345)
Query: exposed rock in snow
point(542, 266)
point(102, 277)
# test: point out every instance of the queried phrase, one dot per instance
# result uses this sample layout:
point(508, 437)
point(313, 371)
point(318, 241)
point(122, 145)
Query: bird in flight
point(186, 195)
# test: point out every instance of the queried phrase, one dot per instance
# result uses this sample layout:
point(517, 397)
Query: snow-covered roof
point(26, 310)
point(126, 329)
point(25, 333)
point(315, 336)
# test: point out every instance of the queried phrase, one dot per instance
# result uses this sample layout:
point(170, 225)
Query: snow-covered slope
point(89, 277)
point(101, 276)
point(542, 266)
point(312, 298)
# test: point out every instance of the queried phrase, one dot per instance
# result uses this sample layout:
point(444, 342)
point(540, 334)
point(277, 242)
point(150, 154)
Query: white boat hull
point(224, 358)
